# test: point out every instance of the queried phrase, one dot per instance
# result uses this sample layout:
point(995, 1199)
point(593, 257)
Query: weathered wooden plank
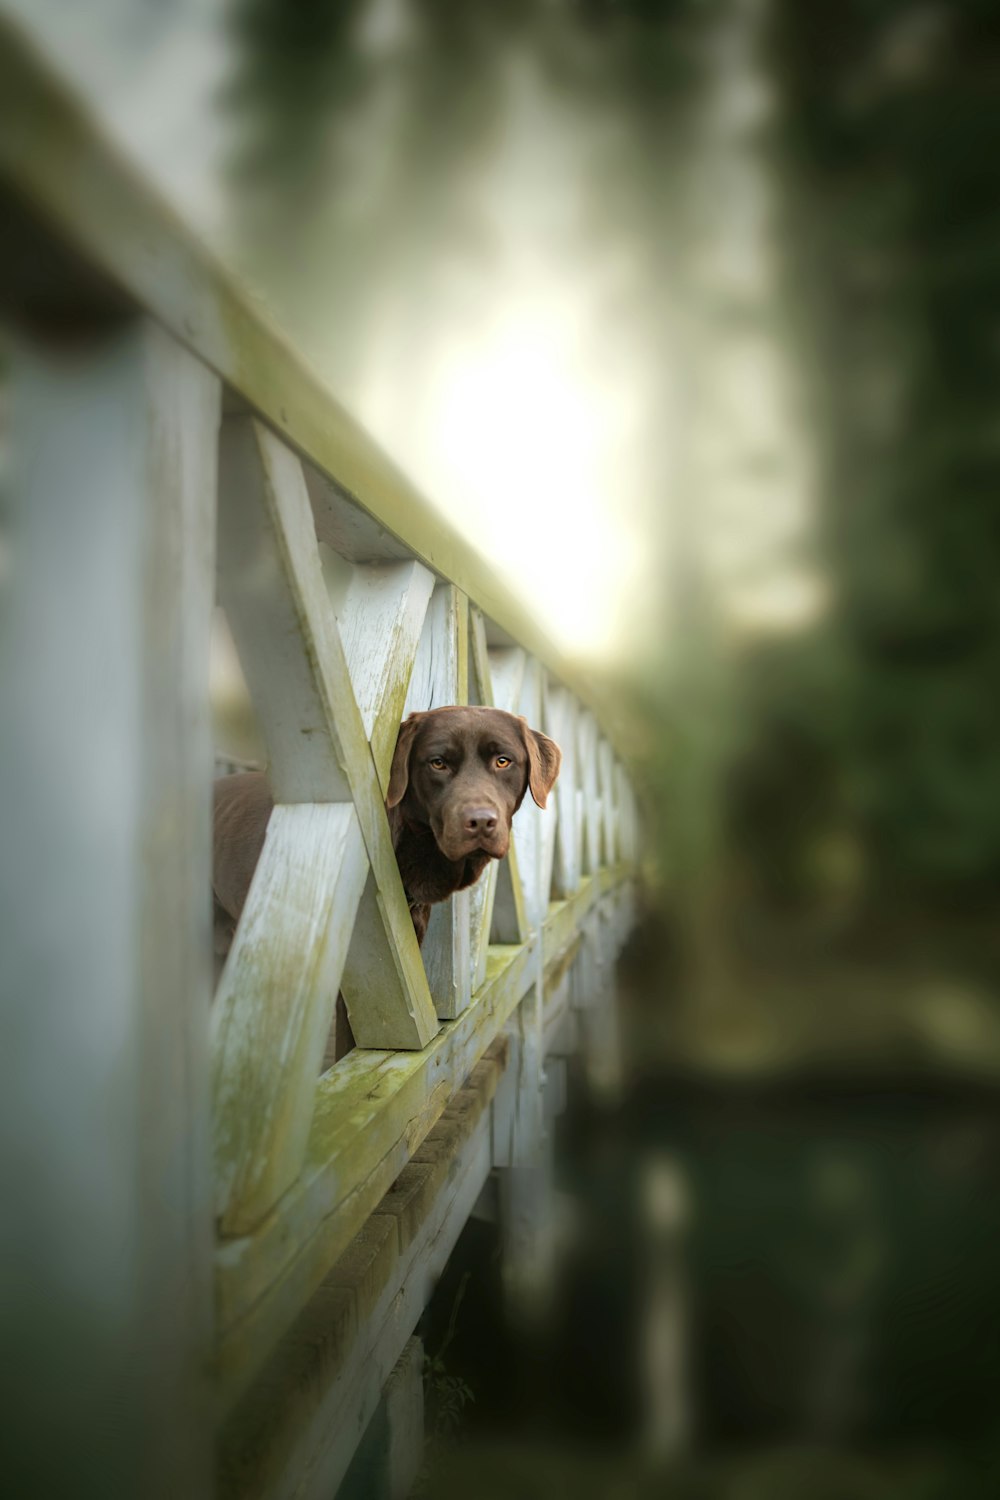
point(594, 994)
point(520, 1149)
point(403, 1400)
point(447, 955)
point(528, 831)
point(271, 588)
point(509, 923)
point(352, 532)
point(499, 673)
point(561, 712)
point(357, 1392)
point(606, 1067)
point(609, 802)
point(506, 664)
point(380, 624)
point(374, 976)
point(626, 849)
point(440, 670)
point(590, 968)
point(105, 869)
point(517, 1115)
point(502, 677)
point(558, 996)
point(564, 920)
point(481, 901)
point(275, 1003)
point(632, 843)
point(482, 896)
point(308, 1408)
point(372, 1111)
point(557, 1014)
point(480, 672)
point(390, 1454)
point(549, 823)
point(462, 643)
point(440, 679)
point(278, 608)
point(590, 801)
point(527, 1239)
point(534, 829)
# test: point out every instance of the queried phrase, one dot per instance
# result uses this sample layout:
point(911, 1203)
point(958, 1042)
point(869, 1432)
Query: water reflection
point(769, 1292)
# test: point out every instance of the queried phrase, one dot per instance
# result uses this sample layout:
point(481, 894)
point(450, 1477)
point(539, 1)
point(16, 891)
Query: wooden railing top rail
point(59, 173)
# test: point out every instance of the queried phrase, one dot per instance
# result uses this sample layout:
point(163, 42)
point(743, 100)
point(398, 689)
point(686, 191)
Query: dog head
point(465, 772)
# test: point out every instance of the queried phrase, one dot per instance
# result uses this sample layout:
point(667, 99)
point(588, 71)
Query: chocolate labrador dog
point(458, 777)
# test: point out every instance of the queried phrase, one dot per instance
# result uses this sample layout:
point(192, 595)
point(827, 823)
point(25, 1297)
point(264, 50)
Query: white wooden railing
point(167, 449)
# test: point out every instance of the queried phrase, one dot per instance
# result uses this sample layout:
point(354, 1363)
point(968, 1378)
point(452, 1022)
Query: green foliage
point(884, 147)
point(888, 149)
point(446, 1395)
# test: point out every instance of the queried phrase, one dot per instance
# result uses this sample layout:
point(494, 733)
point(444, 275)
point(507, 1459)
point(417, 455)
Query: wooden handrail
point(56, 165)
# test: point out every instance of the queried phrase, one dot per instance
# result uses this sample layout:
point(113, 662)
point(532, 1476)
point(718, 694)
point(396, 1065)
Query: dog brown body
point(458, 777)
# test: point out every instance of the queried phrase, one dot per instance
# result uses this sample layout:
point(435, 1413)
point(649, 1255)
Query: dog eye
point(437, 763)
point(503, 760)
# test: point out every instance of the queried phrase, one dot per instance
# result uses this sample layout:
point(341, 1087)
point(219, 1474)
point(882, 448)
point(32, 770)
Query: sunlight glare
point(526, 451)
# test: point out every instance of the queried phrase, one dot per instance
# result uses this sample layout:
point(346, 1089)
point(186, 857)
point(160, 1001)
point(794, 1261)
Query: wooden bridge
point(235, 1247)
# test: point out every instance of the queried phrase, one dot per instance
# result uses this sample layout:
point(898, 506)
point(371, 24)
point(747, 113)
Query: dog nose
point(481, 820)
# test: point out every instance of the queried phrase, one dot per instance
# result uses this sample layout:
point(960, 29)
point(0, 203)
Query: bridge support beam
point(105, 866)
point(522, 1156)
point(391, 1453)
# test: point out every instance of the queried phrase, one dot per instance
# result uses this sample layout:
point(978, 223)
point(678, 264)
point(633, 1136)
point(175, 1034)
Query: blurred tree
point(889, 148)
point(862, 748)
point(358, 128)
point(677, 195)
point(300, 77)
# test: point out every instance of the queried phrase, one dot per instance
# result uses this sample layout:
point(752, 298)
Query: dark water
point(836, 1292)
point(842, 1254)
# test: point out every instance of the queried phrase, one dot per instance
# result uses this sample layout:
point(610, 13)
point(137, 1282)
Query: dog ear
point(544, 760)
point(399, 775)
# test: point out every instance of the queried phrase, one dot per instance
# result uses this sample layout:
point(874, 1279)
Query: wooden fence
point(253, 1238)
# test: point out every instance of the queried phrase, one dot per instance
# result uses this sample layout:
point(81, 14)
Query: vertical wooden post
point(389, 1456)
point(482, 896)
point(609, 802)
point(441, 677)
point(561, 712)
point(595, 1000)
point(589, 801)
point(105, 871)
point(380, 620)
point(519, 688)
point(521, 1152)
